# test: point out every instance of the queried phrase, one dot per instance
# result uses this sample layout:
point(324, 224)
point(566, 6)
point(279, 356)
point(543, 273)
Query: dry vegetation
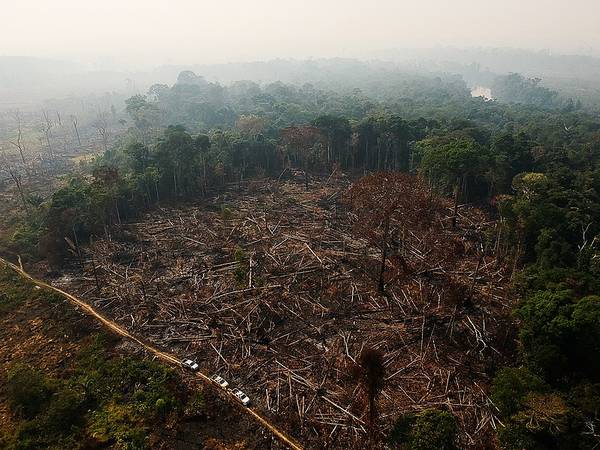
point(273, 287)
point(41, 331)
point(37, 148)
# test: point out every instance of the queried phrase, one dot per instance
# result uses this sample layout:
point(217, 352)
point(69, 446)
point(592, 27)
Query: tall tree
point(454, 165)
point(338, 132)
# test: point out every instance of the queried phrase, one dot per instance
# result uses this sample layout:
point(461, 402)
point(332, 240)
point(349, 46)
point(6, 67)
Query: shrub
point(28, 391)
point(517, 437)
point(226, 213)
point(13, 291)
point(427, 430)
point(511, 385)
point(64, 412)
point(241, 272)
point(119, 423)
point(26, 237)
point(196, 405)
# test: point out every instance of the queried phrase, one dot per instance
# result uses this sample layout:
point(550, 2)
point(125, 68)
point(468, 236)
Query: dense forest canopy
point(25, 82)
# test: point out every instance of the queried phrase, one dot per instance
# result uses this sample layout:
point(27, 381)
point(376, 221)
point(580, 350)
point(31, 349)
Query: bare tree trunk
point(95, 273)
point(366, 154)
point(47, 131)
point(101, 125)
point(455, 213)
point(74, 119)
point(305, 174)
point(77, 248)
point(17, 179)
point(19, 142)
point(384, 246)
point(117, 210)
point(204, 176)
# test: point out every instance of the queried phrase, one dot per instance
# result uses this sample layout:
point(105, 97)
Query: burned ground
point(271, 286)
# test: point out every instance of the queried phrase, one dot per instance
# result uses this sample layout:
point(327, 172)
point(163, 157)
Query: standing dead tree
point(75, 123)
point(18, 143)
point(47, 128)
point(16, 177)
point(101, 126)
point(385, 200)
point(370, 374)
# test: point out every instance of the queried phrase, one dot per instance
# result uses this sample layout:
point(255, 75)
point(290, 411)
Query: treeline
point(178, 165)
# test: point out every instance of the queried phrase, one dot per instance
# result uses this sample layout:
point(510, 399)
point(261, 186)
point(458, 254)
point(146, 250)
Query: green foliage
point(119, 423)
point(27, 233)
point(65, 411)
point(516, 88)
point(546, 331)
point(560, 336)
point(115, 401)
point(226, 212)
point(511, 386)
point(241, 271)
point(107, 379)
point(459, 164)
point(518, 437)
point(428, 430)
point(196, 405)
point(28, 391)
point(586, 335)
point(13, 292)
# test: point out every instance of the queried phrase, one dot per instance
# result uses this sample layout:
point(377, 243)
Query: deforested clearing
point(274, 286)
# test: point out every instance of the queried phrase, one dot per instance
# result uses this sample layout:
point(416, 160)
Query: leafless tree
point(101, 125)
point(19, 142)
point(383, 200)
point(74, 120)
point(47, 127)
point(15, 175)
point(370, 374)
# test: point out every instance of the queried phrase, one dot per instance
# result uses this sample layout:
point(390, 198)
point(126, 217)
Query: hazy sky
point(199, 31)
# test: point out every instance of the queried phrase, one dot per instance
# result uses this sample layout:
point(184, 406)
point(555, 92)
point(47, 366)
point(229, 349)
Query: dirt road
point(264, 422)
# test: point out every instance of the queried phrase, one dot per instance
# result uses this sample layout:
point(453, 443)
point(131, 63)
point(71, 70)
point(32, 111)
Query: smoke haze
point(136, 33)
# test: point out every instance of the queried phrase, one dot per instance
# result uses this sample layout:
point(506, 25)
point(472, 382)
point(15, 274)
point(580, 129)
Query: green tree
point(428, 430)
point(511, 386)
point(338, 132)
point(455, 166)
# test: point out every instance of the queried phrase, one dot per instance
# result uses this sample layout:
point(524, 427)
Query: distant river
point(480, 91)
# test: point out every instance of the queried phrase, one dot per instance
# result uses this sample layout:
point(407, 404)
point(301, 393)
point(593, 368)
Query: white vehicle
point(190, 365)
point(241, 397)
point(220, 381)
